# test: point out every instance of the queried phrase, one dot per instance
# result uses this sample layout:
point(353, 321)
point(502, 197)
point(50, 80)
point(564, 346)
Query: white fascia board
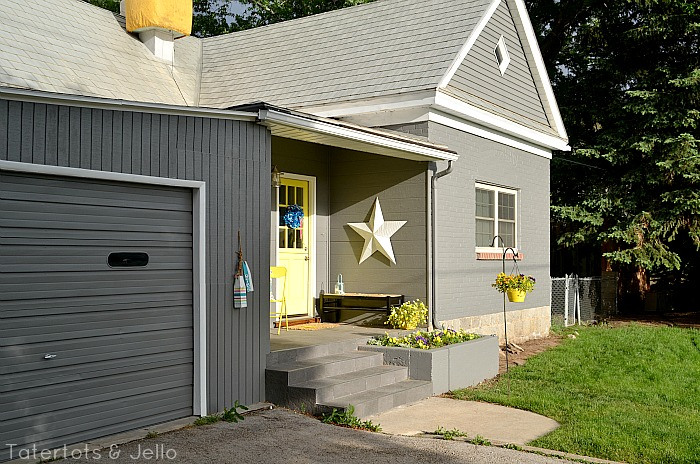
point(268, 117)
point(449, 104)
point(468, 45)
point(487, 133)
point(533, 53)
point(38, 96)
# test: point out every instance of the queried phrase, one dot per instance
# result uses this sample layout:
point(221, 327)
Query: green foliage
point(513, 446)
point(215, 17)
point(111, 5)
point(348, 419)
point(449, 434)
point(409, 315)
point(625, 394)
point(479, 440)
point(151, 434)
point(520, 282)
point(626, 75)
point(424, 340)
point(229, 415)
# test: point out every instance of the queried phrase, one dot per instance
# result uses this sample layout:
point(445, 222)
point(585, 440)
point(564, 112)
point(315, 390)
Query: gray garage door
point(92, 341)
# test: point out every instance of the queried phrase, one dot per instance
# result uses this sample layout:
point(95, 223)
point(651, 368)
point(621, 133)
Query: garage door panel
point(123, 337)
point(48, 306)
point(108, 214)
point(92, 415)
point(30, 356)
point(72, 373)
point(47, 189)
point(74, 394)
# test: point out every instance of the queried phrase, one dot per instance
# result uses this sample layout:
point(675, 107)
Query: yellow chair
point(279, 272)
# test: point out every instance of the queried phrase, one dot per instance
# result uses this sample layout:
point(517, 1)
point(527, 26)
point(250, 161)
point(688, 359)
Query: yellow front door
point(294, 252)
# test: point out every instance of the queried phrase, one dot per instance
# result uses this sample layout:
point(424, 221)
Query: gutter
point(433, 227)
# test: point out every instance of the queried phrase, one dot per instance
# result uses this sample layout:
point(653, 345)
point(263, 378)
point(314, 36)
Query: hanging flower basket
point(515, 296)
point(514, 285)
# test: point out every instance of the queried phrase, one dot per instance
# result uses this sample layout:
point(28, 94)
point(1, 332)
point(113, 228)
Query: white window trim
point(502, 63)
point(498, 189)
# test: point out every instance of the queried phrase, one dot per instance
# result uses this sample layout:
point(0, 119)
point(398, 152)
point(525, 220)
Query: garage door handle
point(49, 356)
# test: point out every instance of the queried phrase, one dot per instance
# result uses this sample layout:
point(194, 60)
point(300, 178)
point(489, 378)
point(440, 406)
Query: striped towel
point(240, 299)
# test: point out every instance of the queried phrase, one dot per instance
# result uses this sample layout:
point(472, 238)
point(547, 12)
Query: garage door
point(94, 340)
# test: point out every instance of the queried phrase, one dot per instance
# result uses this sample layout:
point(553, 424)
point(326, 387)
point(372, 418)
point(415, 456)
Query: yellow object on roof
point(172, 15)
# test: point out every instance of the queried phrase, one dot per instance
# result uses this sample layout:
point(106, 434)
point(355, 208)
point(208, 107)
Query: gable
point(512, 95)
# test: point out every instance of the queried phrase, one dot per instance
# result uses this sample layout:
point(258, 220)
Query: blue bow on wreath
point(293, 216)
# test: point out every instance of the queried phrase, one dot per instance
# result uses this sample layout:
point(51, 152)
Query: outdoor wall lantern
point(276, 177)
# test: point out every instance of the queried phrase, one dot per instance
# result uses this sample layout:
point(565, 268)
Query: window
point(502, 56)
point(496, 214)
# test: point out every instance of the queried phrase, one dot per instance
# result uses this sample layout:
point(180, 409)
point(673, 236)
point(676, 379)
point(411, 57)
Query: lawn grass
point(629, 393)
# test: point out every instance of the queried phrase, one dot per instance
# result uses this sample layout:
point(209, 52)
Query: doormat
point(313, 326)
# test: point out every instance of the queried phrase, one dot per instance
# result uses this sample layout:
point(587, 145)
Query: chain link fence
point(576, 300)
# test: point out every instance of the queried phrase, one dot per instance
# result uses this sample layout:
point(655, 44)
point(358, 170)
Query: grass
point(630, 393)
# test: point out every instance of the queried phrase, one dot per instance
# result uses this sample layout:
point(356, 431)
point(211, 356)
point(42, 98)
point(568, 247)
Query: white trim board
point(487, 133)
point(199, 400)
point(453, 105)
point(468, 45)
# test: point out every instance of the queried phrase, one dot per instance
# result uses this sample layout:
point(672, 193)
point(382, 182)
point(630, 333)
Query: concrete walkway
point(497, 423)
point(281, 436)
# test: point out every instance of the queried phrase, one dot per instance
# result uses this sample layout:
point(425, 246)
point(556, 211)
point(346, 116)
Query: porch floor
point(301, 338)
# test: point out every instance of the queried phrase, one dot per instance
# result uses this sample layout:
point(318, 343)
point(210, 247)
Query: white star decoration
point(377, 234)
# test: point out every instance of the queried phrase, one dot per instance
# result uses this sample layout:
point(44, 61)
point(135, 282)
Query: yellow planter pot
point(515, 296)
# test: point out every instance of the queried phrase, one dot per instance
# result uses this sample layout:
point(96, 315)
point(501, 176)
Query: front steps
point(319, 378)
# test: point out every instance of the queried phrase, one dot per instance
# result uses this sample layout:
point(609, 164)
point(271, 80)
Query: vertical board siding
point(478, 80)
point(464, 283)
point(232, 157)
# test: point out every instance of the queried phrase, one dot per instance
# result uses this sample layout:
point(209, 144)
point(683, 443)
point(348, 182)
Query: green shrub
point(409, 315)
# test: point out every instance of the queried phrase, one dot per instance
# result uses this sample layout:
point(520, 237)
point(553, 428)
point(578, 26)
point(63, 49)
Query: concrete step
point(380, 399)
point(329, 388)
point(295, 372)
point(315, 351)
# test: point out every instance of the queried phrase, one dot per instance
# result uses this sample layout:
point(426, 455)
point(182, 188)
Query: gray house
point(129, 162)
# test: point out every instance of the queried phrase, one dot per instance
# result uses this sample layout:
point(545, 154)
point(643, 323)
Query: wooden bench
point(334, 303)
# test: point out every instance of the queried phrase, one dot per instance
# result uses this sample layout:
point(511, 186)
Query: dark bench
point(331, 303)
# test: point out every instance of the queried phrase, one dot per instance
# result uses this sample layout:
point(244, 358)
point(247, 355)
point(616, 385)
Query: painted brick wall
point(419, 129)
point(356, 180)
point(464, 284)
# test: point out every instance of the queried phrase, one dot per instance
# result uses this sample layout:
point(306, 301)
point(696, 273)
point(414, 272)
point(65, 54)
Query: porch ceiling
point(309, 128)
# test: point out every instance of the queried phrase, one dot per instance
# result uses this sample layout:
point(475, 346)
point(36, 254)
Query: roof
point(73, 47)
point(380, 48)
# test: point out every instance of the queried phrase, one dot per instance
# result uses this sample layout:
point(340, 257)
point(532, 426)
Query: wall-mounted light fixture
point(276, 177)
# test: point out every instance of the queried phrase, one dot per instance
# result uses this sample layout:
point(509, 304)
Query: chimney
point(158, 23)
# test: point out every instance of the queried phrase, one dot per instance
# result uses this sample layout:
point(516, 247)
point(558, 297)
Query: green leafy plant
point(520, 282)
point(449, 434)
point(348, 419)
point(424, 340)
point(513, 446)
point(409, 315)
point(479, 440)
point(151, 434)
point(229, 415)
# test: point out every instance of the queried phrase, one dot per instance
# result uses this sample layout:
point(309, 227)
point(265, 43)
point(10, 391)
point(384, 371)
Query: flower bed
point(425, 340)
point(450, 366)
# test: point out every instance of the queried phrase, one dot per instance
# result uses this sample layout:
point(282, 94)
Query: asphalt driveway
point(281, 436)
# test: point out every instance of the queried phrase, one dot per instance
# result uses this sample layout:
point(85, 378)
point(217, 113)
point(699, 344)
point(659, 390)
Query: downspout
point(433, 235)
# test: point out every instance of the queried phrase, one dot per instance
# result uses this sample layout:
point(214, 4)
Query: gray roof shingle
point(381, 48)
point(72, 47)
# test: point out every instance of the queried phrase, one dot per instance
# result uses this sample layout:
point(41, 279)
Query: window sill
point(497, 256)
